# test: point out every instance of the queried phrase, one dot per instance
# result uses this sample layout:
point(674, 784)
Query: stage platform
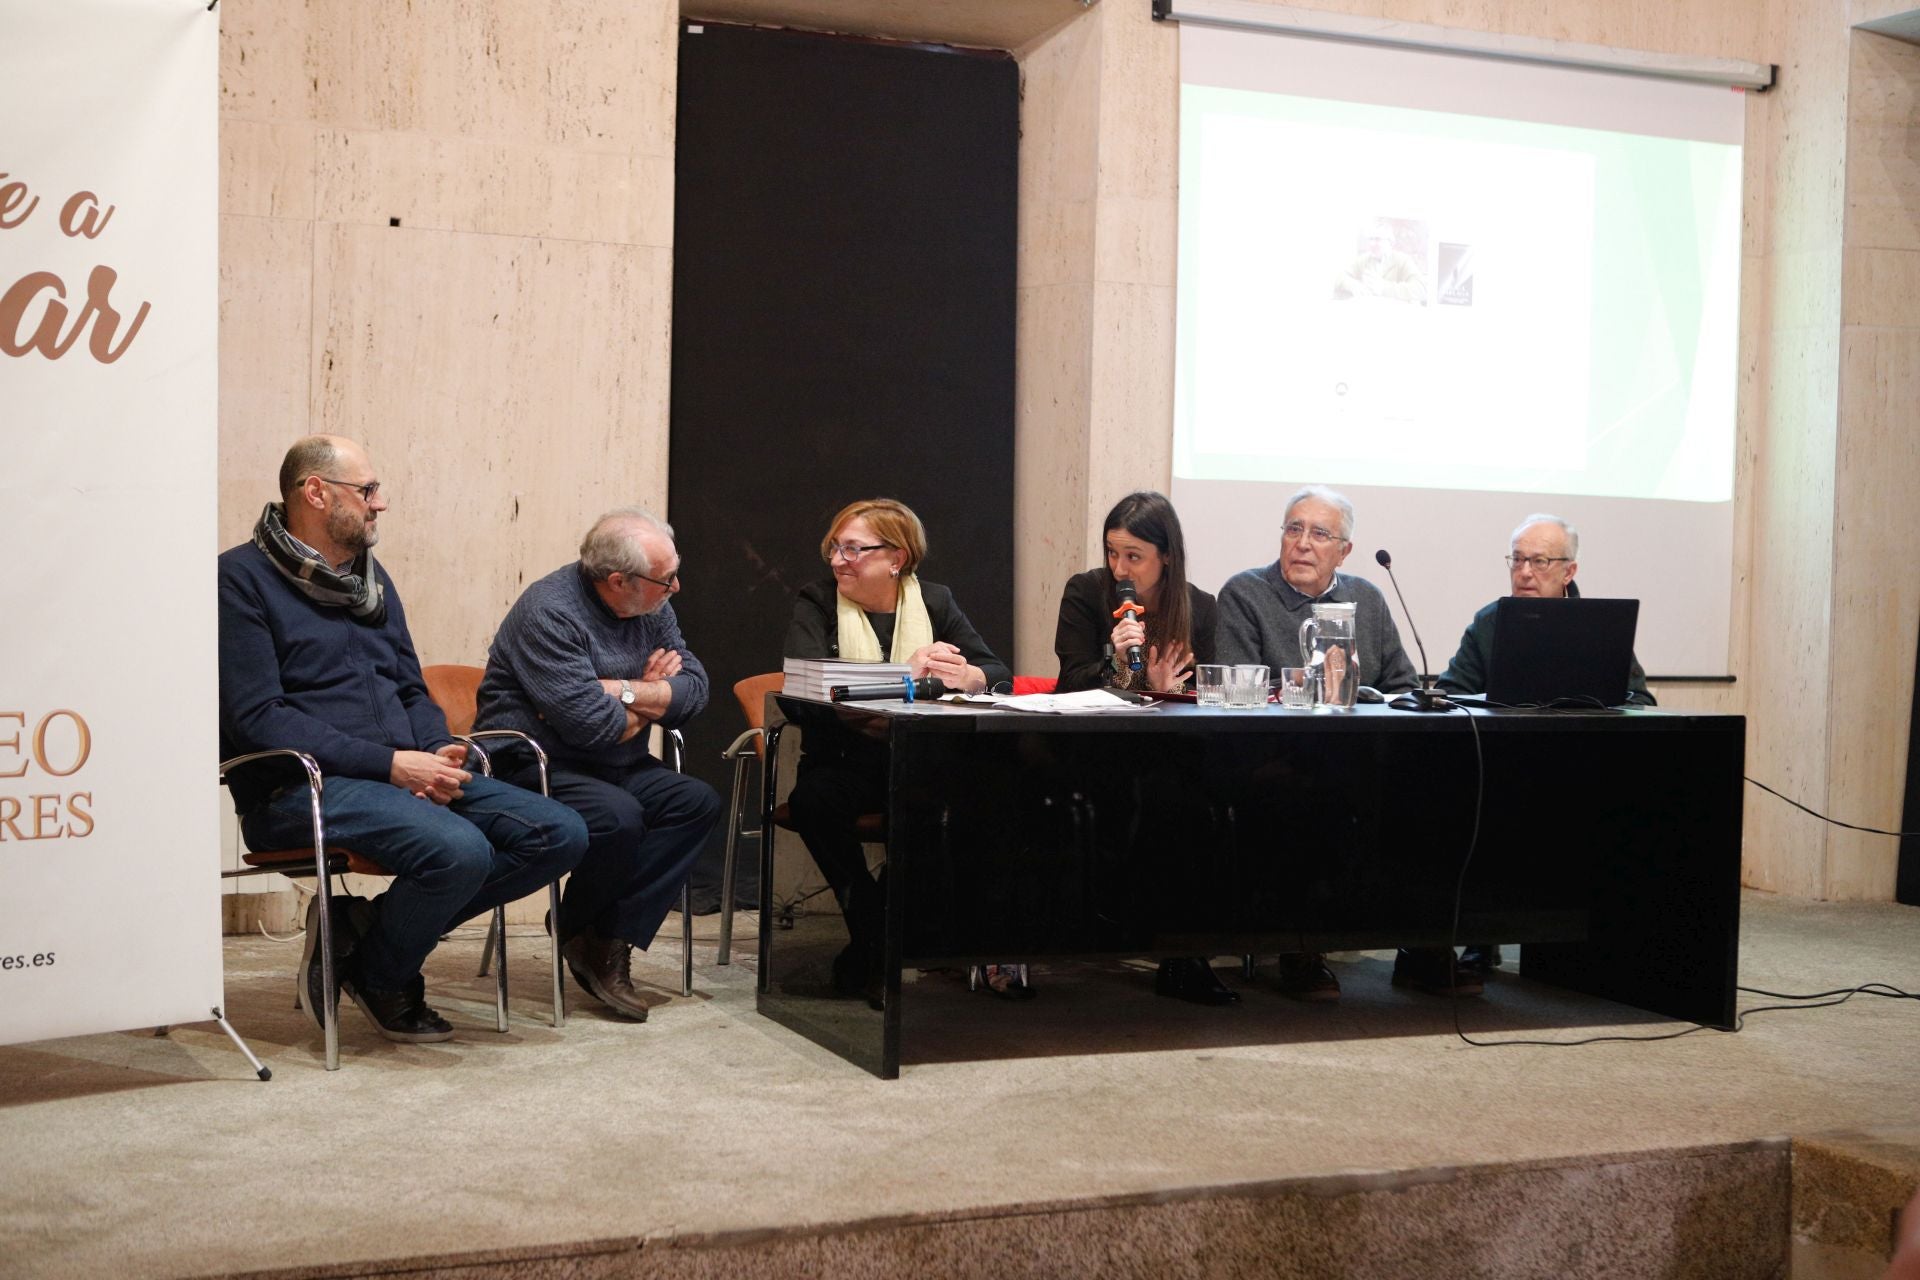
point(1096, 1130)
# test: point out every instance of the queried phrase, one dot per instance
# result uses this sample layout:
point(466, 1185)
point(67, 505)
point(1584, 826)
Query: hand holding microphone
point(1128, 636)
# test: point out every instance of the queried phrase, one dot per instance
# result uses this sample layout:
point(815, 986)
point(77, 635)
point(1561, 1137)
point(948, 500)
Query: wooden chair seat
point(297, 862)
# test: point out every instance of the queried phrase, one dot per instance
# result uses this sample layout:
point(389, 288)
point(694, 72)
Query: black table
point(1608, 844)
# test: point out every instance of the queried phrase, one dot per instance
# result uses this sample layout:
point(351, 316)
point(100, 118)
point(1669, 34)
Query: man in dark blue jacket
point(315, 656)
point(1543, 556)
point(589, 659)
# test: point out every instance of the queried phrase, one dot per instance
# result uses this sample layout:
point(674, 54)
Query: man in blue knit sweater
point(315, 656)
point(589, 659)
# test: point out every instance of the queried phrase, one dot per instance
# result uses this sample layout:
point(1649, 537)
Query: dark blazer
point(815, 629)
point(1086, 622)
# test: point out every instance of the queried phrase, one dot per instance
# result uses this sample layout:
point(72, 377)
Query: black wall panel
point(843, 327)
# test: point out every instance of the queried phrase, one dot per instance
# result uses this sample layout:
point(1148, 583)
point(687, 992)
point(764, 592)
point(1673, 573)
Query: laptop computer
point(1577, 651)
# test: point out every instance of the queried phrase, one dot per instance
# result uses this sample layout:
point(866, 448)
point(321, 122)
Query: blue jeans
point(450, 862)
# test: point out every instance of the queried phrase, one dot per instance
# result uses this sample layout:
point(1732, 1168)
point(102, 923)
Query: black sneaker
point(398, 1015)
point(345, 937)
point(417, 992)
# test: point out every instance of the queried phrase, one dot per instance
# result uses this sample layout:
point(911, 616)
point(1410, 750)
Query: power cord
point(1809, 1000)
point(1739, 1022)
point(788, 910)
point(1902, 835)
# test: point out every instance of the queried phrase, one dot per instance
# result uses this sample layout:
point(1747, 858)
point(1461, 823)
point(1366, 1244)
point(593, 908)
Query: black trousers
point(645, 827)
point(831, 790)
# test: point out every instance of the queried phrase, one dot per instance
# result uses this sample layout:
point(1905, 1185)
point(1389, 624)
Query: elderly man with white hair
point(1260, 615)
point(1542, 558)
point(1261, 609)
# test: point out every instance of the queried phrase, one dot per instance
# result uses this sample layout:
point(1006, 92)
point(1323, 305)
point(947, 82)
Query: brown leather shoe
point(1304, 976)
point(603, 967)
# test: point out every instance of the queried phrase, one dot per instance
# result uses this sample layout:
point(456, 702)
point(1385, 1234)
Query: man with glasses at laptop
point(1542, 558)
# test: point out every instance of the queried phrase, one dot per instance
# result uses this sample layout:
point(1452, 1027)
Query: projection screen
point(1461, 291)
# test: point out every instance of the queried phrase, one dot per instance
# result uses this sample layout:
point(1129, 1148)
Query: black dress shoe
point(1481, 957)
point(1192, 979)
point(401, 1016)
point(1435, 971)
point(857, 973)
point(1304, 976)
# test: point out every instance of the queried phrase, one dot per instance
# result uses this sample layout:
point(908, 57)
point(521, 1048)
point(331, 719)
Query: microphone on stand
point(905, 689)
point(1426, 697)
point(1131, 606)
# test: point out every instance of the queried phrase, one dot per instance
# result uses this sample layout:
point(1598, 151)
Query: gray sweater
point(1261, 613)
point(543, 671)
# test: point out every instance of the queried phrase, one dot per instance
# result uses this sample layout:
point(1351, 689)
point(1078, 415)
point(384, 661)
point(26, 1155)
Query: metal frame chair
point(752, 695)
point(453, 686)
point(327, 862)
point(745, 805)
point(673, 752)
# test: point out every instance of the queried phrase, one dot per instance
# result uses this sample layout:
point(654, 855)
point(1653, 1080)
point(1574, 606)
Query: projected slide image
point(1391, 263)
point(1323, 342)
point(1392, 296)
point(1456, 275)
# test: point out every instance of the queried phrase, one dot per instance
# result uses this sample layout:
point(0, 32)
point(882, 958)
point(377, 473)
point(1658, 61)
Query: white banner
point(109, 312)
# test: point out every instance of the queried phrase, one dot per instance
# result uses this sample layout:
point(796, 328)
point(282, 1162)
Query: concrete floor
point(127, 1154)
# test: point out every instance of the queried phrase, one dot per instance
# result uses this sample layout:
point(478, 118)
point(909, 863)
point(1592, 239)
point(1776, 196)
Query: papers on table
point(813, 677)
point(1086, 702)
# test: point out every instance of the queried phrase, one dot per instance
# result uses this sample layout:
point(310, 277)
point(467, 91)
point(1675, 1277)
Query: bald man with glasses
point(315, 656)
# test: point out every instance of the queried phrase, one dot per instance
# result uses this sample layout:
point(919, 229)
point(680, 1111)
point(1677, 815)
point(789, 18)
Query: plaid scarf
point(357, 591)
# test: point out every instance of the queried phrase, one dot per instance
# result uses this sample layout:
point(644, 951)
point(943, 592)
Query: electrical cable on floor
point(1811, 1000)
point(789, 908)
point(1903, 835)
point(299, 913)
point(1886, 989)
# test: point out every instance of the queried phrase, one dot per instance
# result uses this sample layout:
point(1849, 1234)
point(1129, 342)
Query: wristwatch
point(626, 694)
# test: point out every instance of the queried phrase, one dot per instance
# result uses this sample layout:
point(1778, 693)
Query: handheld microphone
point(1130, 605)
point(905, 689)
point(1426, 697)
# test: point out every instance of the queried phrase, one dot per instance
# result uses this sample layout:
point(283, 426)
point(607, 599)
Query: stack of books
point(812, 677)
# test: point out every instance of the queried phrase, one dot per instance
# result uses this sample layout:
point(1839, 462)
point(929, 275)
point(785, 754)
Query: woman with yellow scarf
point(875, 609)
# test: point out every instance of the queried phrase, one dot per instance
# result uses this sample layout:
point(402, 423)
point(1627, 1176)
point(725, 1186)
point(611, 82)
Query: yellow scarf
point(912, 628)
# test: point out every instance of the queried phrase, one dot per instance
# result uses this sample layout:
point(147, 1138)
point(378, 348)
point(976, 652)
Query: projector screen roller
point(1463, 291)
